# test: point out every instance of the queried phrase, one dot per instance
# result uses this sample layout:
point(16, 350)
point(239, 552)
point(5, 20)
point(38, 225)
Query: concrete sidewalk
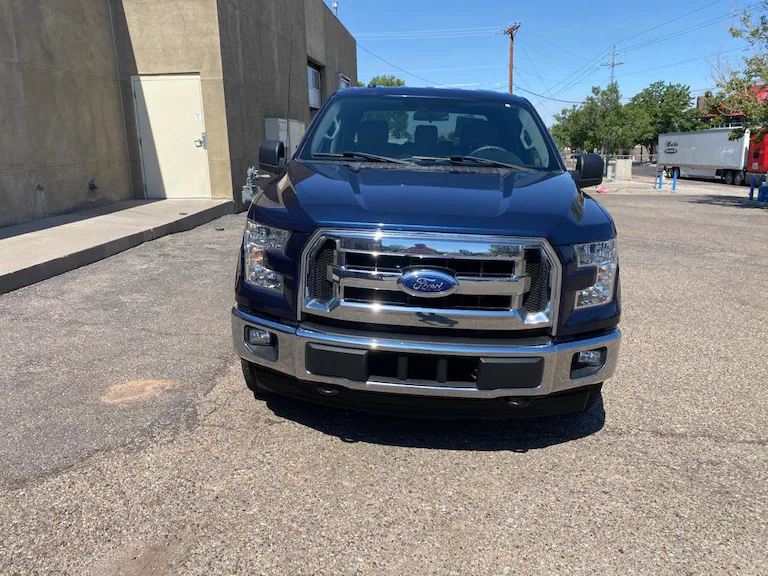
point(38, 250)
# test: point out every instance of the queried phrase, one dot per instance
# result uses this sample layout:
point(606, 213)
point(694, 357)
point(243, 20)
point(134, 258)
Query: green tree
point(659, 109)
point(742, 86)
point(570, 128)
point(383, 80)
point(602, 118)
point(398, 121)
point(590, 125)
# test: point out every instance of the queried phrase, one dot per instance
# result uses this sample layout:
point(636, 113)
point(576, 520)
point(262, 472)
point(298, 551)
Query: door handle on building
point(202, 142)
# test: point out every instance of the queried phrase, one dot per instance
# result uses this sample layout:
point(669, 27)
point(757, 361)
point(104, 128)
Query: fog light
point(590, 358)
point(258, 337)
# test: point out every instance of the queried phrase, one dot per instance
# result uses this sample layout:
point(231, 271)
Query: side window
point(532, 141)
point(315, 87)
point(330, 131)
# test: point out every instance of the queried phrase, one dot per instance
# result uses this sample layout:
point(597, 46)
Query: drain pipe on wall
point(290, 75)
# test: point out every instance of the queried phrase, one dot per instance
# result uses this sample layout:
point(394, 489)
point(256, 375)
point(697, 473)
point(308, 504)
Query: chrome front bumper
point(288, 357)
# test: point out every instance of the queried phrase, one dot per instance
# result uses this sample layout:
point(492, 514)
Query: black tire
point(670, 172)
point(728, 178)
point(259, 392)
point(738, 178)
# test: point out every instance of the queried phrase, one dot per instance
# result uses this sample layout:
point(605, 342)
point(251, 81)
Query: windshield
point(428, 129)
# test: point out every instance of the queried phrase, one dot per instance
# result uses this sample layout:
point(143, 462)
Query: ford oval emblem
point(427, 283)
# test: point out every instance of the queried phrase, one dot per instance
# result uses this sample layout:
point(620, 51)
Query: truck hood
point(445, 199)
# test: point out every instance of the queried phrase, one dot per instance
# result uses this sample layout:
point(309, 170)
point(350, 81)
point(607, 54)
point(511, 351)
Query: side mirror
point(272, 156)
point(589, 170)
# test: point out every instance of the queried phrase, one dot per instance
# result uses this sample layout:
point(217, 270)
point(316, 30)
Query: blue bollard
point(752, 188)
point(674, 181)
point(661, 180)
point(762, 194)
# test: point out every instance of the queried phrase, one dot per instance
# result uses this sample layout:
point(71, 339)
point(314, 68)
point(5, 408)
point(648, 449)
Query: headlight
point(257, 240)
point(604, 257)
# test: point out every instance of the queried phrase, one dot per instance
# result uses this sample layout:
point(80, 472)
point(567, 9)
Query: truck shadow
point(476, 435)
point(728, 201)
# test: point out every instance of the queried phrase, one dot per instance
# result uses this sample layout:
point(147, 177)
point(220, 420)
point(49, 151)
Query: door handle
point(202, 142)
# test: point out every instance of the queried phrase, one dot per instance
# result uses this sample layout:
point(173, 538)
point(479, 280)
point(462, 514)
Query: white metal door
point(171, 127)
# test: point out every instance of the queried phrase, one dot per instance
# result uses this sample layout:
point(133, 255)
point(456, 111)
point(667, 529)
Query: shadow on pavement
point(84, 213)
point(728, 201)
point(481, 435)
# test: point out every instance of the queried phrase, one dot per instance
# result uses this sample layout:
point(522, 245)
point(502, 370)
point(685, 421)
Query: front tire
point(249, 374)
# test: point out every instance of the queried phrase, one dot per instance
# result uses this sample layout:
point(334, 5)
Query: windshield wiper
point(468, 159)
point(362, 155)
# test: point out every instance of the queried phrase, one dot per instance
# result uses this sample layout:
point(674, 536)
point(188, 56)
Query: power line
point(396, 66)
point(433, 31)
point(431, 34)
point(547, 55)
point(464, 68)
point(671, 65)
point(679, 63)
point(587, 73)
point(692, 28)
point(525, 52)
point(671, 21)
point(532, 93)
point(556, 47)
point(578, 79)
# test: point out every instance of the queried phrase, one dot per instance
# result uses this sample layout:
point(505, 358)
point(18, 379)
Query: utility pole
point(613, 62)
point(613, 65)
point(511, 31)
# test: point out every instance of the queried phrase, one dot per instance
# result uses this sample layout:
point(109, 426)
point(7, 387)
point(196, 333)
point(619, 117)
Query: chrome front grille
point(504, 283)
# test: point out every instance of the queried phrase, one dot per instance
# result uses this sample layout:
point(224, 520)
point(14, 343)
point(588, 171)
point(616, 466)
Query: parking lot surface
point(131, 446)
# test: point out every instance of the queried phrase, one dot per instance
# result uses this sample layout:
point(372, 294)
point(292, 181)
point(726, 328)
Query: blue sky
point(446, 42)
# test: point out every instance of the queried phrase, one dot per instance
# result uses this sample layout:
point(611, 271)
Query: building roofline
point(338, 20)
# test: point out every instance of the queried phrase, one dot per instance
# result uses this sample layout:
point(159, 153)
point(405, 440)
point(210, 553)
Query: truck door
point(761, 150)
point(757, 159)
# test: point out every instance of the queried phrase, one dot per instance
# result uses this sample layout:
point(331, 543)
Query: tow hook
point(327, 390)
point(518, 402)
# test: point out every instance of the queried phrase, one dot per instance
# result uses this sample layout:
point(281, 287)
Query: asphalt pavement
point(131, 446)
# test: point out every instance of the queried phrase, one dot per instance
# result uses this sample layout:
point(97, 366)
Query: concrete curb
point(39, 272)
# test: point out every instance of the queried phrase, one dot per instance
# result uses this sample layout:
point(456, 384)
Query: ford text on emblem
point(427, 283)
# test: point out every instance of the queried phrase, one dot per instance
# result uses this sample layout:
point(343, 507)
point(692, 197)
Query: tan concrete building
point(109, 100)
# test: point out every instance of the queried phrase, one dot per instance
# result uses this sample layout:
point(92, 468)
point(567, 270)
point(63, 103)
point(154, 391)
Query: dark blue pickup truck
point(426, 252)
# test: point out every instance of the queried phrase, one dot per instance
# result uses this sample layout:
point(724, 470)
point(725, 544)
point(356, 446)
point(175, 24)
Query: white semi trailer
point(712, 154)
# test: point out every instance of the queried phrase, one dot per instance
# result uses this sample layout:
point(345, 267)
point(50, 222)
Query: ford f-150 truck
point(426, 252)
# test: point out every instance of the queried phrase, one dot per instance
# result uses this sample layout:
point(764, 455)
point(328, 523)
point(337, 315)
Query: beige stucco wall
point(260, 40)
point(257, 38)
point(175, 37)
point(66, 102)
point(330, 45)
point(61, 123)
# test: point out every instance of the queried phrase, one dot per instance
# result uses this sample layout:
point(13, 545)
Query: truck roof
point(447, 93)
